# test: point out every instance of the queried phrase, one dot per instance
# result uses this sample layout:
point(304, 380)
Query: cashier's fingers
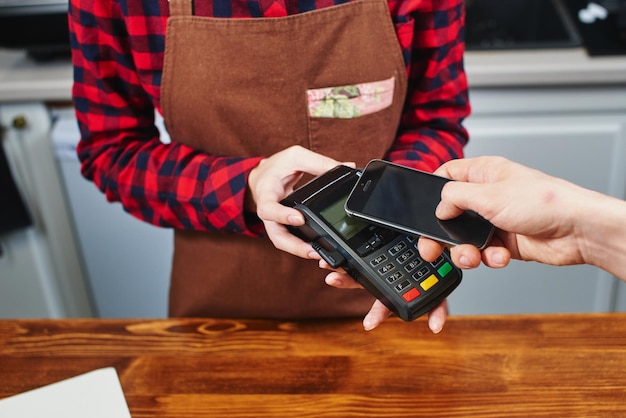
point(285, 241)
point(437, 317)
point(339, 278)
point(377, 314)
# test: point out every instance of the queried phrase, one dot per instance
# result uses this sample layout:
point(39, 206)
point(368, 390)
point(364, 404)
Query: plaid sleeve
point(431, 34)
point(168, 185)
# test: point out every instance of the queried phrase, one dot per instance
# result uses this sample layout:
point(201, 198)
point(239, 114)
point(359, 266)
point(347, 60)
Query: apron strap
point(181, 7)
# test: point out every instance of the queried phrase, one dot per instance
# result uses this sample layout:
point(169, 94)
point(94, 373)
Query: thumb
point(312, 162)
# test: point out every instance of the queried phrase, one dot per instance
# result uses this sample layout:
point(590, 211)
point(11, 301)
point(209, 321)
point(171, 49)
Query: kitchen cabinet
point(577, 133)
point(127, 262)
point(40, 269)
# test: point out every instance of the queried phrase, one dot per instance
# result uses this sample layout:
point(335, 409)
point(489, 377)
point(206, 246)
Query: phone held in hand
point(405, 199)
point(385, 262)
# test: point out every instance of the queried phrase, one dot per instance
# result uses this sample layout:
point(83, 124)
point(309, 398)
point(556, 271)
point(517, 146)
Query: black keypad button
point(386, 268)
point(438, 261)
point(402, 286)
point(397, 248)
point(378, 260)
point(394, 277)
point(413, 265)
point(406, 256)
point(421, 273)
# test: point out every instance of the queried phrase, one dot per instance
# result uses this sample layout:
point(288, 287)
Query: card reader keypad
point(399, 264)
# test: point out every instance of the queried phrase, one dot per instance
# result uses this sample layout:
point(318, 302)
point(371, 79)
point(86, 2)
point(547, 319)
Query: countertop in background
point(22, 79)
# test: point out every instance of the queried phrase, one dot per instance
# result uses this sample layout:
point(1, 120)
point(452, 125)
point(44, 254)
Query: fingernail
point(368, 324)
point(435, 325)
point(464, 262)
point(334, 281)
point(294, 220)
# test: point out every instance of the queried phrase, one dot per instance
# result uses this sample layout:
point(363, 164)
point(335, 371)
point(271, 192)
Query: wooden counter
point(514, 366)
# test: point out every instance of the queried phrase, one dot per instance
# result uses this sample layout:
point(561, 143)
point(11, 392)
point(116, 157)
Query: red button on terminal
point(411, 295)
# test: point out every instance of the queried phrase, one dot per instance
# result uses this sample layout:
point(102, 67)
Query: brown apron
point(238, 87)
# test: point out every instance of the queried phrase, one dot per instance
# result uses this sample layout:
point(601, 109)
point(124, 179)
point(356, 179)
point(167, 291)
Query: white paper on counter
point(96, 394)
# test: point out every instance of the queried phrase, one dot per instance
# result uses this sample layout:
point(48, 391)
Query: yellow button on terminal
point(429, 282)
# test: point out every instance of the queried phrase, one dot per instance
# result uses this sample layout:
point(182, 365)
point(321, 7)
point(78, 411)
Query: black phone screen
point(406, 199)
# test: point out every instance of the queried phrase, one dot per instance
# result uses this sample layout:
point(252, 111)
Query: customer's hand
point(272, 180)
point(536, 215)
point(539, 210)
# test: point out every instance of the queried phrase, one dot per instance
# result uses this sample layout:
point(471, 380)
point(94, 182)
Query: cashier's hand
point(379, 312)
point(275, 178)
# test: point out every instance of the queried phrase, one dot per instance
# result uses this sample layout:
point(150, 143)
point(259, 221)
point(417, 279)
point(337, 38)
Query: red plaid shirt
point(118, 48)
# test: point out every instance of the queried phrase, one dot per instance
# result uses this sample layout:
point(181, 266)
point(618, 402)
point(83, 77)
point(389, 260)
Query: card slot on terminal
point(333, 258)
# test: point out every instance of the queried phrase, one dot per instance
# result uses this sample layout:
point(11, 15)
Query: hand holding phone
point(405, 199)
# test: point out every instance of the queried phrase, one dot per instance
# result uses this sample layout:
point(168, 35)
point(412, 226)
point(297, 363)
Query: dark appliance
point(601, 24)
point(37, 26)
point(518, 24)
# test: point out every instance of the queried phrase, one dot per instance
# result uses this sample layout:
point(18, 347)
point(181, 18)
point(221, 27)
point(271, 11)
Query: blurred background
point(547, 86)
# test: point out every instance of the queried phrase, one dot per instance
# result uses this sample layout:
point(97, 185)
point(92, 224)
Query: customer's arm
point(539, 217)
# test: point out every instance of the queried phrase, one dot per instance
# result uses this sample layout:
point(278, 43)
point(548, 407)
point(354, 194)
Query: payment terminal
point(384, 262)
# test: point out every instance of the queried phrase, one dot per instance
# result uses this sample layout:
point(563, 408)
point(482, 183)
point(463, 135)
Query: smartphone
point(405, 199)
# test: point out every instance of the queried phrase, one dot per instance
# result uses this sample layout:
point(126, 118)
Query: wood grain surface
point(506, 366)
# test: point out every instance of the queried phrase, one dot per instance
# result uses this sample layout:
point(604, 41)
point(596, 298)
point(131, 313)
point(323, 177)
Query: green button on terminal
point(445, 269)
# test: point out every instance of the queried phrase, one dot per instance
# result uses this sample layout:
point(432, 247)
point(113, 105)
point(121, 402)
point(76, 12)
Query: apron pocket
point(351, 101)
